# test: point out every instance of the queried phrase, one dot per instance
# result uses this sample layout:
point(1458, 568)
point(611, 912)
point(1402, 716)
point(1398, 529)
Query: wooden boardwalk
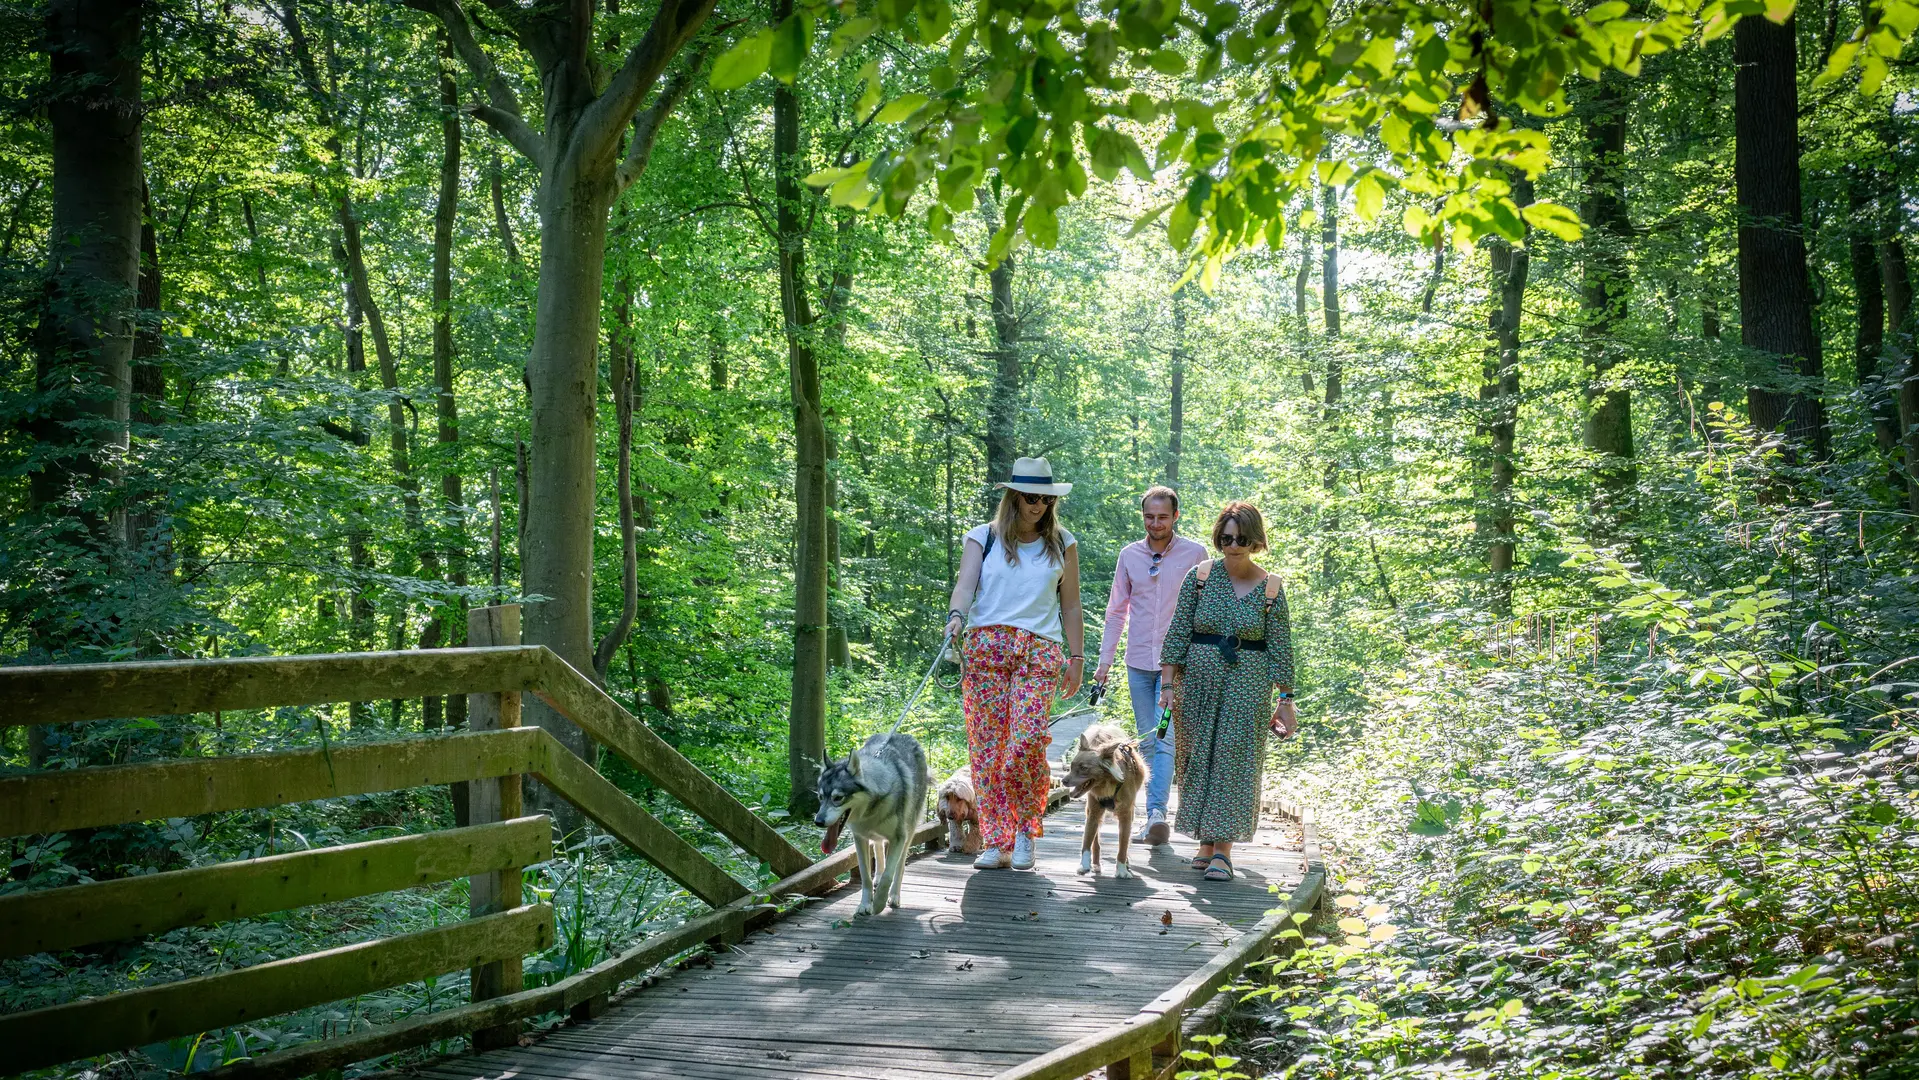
point(978, 972)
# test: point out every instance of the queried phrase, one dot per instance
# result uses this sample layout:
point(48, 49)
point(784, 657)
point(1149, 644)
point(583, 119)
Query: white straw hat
point(1034, 476)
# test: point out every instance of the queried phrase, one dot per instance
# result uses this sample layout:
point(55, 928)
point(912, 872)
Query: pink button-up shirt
point(1147, 598)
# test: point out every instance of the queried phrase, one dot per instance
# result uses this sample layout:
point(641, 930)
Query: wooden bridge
point(1009, 974)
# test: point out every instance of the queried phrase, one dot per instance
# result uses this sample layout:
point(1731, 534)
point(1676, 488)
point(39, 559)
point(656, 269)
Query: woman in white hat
point(1018, 591)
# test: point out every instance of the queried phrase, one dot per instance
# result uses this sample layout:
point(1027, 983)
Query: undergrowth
point(1687, 846)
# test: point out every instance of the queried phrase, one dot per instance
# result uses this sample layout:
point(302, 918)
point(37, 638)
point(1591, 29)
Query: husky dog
point(958, 809)
point(879, 789)
point(1109, 771)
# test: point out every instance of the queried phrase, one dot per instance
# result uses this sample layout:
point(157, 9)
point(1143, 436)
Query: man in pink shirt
point(1145, 590)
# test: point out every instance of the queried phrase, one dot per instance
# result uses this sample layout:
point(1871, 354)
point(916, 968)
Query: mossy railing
point(490, 758)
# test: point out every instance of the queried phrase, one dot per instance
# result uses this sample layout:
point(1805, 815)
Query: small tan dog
point(958, 809)
point(1108, 769)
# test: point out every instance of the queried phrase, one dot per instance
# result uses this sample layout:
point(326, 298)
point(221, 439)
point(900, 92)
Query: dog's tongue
point(832, 837)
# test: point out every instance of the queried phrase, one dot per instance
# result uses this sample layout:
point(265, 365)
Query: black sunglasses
point(1035, 500)
point(1235, 540)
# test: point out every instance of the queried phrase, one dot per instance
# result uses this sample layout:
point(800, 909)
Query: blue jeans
point(1144, 686)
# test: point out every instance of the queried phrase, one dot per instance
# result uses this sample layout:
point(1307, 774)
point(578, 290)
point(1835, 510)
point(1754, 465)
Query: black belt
point(1230, 644)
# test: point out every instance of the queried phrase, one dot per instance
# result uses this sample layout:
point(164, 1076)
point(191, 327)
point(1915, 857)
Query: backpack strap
point(1204, 568)
point(987, 548)
point(1272, 589)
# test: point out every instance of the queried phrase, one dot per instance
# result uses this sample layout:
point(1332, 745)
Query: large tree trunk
point(1176, 419)
point(806, 722)
point(587, 112)
point(1499, 390)
point(1608, 427)
point(85, 343)
point(561, 470)
point(1775, 298)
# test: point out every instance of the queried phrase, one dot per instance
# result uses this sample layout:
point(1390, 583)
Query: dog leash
point(911, 701)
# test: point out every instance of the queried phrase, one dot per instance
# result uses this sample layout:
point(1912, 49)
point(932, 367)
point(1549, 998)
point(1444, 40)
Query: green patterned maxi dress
point(1220, 725)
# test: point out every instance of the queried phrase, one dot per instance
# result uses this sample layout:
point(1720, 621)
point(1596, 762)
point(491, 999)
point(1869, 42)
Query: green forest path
point(979, 971)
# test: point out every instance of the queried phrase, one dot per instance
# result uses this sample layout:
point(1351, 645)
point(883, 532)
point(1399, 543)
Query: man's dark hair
point(1160, 491)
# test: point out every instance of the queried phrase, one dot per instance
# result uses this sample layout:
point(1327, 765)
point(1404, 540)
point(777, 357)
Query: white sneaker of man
point(1155, 831)
point(1022, 852)
point(991, 858)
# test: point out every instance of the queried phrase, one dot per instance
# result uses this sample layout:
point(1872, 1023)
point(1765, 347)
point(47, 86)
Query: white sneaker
point(1155, 831)
point(1022, 852)
point(991, 858)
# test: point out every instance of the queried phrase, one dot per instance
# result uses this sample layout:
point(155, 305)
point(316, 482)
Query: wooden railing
point(491, 851)
point(1148, 1043)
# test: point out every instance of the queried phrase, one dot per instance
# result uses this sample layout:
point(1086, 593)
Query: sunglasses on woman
point(1035, 500)
point(1235, 540)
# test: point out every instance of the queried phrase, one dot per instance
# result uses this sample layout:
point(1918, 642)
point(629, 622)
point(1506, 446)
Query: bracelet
point(1076, 658)
point(1285, 695)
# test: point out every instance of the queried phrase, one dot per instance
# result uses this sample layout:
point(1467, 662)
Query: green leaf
point(744, 62)
point(791, 41)
point(900, 108)
point(1555, 219)
point(849, 34)
point(1368, 196)
point(870, 96)
point(1883, 813)
point(1167, 62)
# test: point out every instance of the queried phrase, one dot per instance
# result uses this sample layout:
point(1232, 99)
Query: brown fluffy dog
point(1108, 770)
point(958, 810)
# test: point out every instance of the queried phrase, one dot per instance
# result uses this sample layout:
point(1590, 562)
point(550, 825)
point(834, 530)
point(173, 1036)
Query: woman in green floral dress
point(1230, 647)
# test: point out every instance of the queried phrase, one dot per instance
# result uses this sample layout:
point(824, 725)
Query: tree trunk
point(146, 524)
point(1605, 286)
point(806, 722)
point(1775, 298)
point(587, 110)
point(445, 212)
point(1002, 410)
point(620, 359)
point(1335, 372)
point(86, 339)
point(1176, 421)
point(562, 466)
point(1499, 390)
point(1899, 357)
point(1868, 285)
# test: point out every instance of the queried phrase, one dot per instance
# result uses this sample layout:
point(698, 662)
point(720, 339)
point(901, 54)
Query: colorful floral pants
point(1011, 677)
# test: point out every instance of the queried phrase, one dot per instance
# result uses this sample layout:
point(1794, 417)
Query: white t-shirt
point(1023, 594)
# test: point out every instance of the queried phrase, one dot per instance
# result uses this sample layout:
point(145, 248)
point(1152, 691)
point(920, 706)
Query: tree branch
point(598, 134)
point(502, 111)
point(646, 126)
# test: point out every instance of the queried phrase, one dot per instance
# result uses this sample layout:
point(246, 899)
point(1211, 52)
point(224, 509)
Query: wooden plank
point(576, 698)
point(49, 920)
point(64, 799)
point(92, 1026)
point(616, 812)
point(63, 693)
point(317, 1057)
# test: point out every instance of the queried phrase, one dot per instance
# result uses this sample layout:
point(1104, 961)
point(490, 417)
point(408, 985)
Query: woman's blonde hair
point(1006, 527)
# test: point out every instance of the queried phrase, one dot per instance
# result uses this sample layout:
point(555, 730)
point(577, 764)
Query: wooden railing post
point(490, 801)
